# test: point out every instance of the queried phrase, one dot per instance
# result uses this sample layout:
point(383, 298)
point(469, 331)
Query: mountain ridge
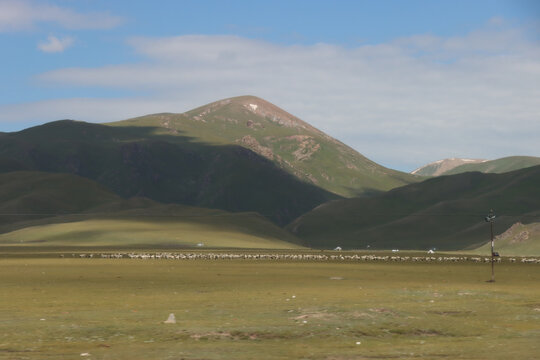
point(454, 166)
point(440, 167)
point(498, 166)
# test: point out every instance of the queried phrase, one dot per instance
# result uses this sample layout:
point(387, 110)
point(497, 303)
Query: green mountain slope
point(47, 209)
point(146, 162)
point(519, 240)
point(282, 138)
point(444, 212)
point(497, 166)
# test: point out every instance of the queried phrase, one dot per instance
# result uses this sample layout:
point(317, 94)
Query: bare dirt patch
point(322, 315)
point(451, 313)
point(240, 335)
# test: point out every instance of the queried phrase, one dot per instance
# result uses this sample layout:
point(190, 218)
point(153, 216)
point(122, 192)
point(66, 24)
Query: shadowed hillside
point(141, 161)
point(445, 212)
point(47, 209)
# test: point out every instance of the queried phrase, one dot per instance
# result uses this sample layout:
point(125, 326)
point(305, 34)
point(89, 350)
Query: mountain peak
point(439, 167)
point(253, 105)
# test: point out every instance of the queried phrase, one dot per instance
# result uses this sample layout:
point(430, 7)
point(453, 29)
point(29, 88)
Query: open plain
point(74, 308)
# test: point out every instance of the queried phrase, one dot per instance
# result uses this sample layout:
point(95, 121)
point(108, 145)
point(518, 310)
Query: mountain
point(144, 162)
point(442, 166)
point(443, 212)
point(519, 240)
point(238, 154)
point(290, 143)
point(498, 166)
point(52, 209)
point(458, 166)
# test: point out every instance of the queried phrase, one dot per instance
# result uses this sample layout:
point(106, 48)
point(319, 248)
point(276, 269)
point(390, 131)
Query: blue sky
point(403, 82)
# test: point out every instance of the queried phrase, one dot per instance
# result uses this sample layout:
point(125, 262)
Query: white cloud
point(21, 15)
point(54, 44)
point(402, 103)
point(101, 110)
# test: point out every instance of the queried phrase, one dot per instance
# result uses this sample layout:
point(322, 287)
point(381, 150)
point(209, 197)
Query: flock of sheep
point(300, 257)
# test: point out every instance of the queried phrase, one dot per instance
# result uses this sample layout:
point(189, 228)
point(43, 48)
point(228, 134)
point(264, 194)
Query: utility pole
point(490, 219)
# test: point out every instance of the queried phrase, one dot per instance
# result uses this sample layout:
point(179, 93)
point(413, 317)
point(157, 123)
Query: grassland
point(56, 308)
point(223, 230)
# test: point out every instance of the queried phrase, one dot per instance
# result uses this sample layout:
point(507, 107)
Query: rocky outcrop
point(307, 146)
point(251, 143)
point(515, 233)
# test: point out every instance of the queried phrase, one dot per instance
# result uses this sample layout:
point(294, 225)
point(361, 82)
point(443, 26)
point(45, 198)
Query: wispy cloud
point(54, 44)
point(402, 103)
point(21, 15)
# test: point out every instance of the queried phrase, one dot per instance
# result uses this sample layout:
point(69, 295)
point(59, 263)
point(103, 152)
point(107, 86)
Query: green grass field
point(53, 308)
point(234, 231)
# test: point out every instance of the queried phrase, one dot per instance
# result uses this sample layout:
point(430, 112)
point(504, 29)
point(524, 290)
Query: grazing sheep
point(300, 257)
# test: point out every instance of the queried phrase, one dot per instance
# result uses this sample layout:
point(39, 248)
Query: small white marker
point(358, 343)
point(171, 319)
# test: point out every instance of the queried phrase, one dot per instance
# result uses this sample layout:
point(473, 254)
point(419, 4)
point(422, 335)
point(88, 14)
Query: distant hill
point(519, 240)
point(458, 166)
point(442, 166)
point(443, 212)
point(498, 166)
point(290, 143)
point(47, 209)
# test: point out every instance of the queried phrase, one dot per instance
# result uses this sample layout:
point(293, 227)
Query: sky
point(404, 83)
